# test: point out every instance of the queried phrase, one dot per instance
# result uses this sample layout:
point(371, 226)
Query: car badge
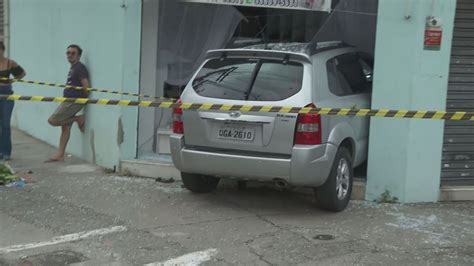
point(234, 114)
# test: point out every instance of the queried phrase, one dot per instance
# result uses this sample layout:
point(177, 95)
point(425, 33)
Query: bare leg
point(65, 135)
point(80, 120)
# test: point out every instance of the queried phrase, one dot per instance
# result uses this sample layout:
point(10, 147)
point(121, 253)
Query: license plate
point(236, 133)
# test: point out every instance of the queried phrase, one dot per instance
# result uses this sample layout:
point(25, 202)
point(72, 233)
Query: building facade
point(423, 61)
point(109, 33)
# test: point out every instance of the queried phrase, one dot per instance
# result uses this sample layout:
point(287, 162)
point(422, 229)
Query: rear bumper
point(307, 165)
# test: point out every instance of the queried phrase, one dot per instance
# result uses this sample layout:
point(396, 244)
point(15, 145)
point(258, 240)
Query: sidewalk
point(74, 212)
point(30, 154)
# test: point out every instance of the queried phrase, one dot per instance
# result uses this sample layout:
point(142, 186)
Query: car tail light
point(308, 129)
point(178, 127)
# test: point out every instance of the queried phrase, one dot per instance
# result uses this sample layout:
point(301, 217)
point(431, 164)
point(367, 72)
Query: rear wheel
point(199, 183)
point(335, 194)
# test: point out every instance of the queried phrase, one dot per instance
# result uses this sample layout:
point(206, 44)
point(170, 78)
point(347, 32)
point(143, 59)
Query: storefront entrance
point(177, 34)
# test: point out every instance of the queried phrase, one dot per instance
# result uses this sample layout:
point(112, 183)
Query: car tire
point(335, 194)
point(199, 183)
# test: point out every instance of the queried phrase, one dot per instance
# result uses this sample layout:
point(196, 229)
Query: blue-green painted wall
point(405, 155)
point(109, 33)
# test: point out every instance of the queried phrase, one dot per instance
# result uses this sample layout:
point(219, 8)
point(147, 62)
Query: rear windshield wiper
point(226, 74)
point(212, 73)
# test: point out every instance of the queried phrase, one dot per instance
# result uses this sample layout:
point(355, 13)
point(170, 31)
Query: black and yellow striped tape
point(42, 83)
point(436, 115)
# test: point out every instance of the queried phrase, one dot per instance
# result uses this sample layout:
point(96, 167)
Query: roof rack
point(318, 47)
point(303, 48)
point(294, 47)
point(235, 43)
point(308, 49)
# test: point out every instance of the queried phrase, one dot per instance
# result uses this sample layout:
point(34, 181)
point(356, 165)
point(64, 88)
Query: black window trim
point(333, 60)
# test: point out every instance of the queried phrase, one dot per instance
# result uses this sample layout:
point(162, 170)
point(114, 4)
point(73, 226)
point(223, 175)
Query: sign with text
point(314, 5)
point(433, 34)
point(433, 38)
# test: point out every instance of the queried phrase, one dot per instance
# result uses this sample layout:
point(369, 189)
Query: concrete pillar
point(405, 155)
point(128, 123)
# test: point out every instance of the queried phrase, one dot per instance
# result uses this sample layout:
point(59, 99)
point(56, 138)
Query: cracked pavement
point(259, 225)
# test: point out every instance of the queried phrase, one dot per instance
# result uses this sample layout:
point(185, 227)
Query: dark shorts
point(66, 111)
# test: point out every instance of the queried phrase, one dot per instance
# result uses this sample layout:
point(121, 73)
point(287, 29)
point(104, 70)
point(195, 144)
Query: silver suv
point(307, 150)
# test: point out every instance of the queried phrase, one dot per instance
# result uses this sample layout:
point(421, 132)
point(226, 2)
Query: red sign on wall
point(433, 36)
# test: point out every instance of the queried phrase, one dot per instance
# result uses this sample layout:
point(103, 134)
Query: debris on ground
point(28, 179)
point(7, 176)
point(17, 184)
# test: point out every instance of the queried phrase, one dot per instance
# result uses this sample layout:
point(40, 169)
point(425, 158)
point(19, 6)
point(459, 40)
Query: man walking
point(65, 114)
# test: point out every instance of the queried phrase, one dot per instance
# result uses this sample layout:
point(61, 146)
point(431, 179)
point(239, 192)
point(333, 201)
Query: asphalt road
point(75, 213)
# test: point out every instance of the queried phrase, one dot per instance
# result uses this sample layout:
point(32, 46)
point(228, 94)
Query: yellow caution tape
point(42, 83)
point(434, 115)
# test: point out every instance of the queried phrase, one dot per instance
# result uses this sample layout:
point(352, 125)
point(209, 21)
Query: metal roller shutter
point(458, 149)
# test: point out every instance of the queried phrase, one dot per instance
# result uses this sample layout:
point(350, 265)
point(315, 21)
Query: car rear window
point(249, 79)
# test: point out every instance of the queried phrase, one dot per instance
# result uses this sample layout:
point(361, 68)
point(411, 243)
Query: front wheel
point(199, 183)
point(335, 194)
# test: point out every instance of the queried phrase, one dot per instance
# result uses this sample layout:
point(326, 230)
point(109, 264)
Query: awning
point(311, 5)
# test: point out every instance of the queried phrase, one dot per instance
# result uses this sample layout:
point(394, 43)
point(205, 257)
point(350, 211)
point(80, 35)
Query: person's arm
point(83, 76)
point(17, 71)
point(85, 84)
